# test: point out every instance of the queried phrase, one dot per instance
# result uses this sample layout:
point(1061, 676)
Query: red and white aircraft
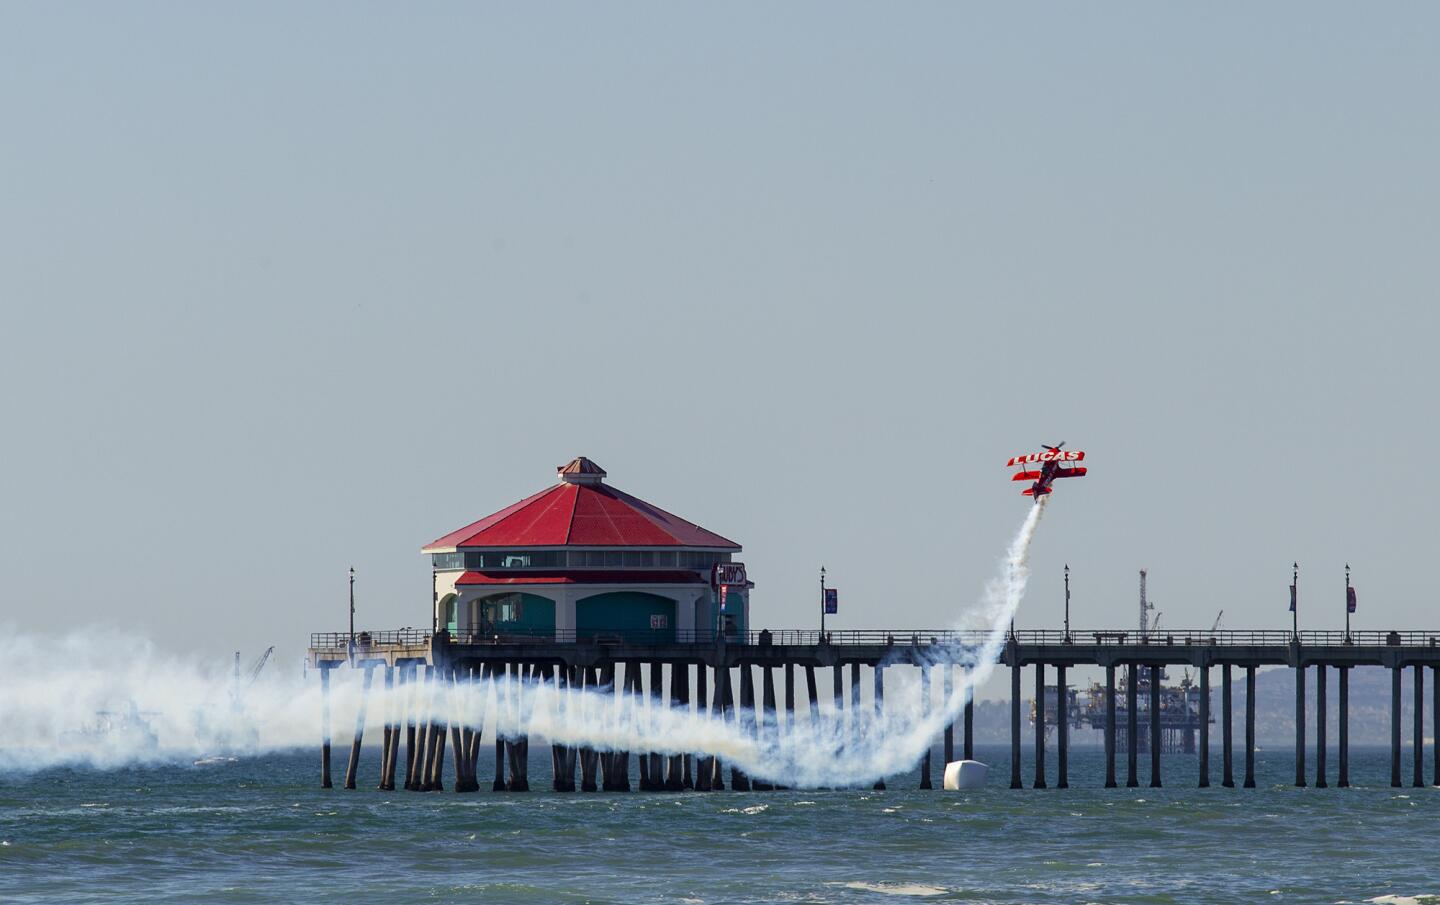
point(1052, 466)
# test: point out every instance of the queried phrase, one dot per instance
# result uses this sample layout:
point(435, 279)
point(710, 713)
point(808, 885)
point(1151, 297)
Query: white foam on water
point(897, 889)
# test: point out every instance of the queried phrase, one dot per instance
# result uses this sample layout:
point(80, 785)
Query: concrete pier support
point(589, 757)
point(947, 687)
point(1110, 726)
point(353, 767)
point(325, 782)
point(1205, 726)
point(1344, 716)
point(879, 702)
point(1300, 726)
point(517, 750)
point(656, 695)
point(1154, 727)
point(925, 715)
point(1434, 723)
point(1395, 725)
point(1227, 733)
point(717, 712)
point(412, 710)
point(854, 700)
point(770, 728)
point(459, 733)
point(812, 692)
point(1062, 731)
point(739, 782)
point(790, 699)
point(1418, 738)
point(1132, 726)
point(499, 676)
point(441, 728)
point(1320, 720)
point(677, 776)
point(1249, 727)
point(1039, 708)
point(969, 722)
point(1015, 725)
point(386, 732)
point(395, 691)
point(704, 763)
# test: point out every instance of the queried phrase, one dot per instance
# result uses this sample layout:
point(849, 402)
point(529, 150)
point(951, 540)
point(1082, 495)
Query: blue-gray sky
point(290, 287)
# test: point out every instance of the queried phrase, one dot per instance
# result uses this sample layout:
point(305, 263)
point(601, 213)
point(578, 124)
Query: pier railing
point(410, 637)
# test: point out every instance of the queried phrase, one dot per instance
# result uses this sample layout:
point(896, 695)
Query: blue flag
point(832, 601)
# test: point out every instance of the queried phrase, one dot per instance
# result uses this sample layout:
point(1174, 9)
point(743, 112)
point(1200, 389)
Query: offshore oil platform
point(1180, 706)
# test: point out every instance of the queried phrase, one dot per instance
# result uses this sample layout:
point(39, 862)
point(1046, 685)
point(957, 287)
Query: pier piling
point(771, 728)
point(325, 727)
point(385, 735)
point(1300, 725)
point(353, 767)
point(1395, 725)
point(1038, 705)
point(1154, 727)
point(1320, 720)
point(1132, 726)
point(1418, 738)
point(1015, 782)
point(969, 726)
point(947, 688)
point(1110, 726)
point(1205, 726)
point(1227, 735)
point(1344, 716)
point(1249, 727)
point(879, 703)
point(1062, 731)
point(924, 716)
point(745, 719)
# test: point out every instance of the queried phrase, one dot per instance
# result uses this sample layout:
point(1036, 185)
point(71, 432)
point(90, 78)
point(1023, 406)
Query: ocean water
point(261, 830)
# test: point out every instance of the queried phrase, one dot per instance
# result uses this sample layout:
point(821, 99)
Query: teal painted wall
point(519, 614)
point(625, 613)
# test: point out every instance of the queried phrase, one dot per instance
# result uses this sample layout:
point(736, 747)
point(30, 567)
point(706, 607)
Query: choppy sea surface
point(261, 830)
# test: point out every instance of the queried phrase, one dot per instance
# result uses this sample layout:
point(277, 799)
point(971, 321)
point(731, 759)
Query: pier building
point(583, 560)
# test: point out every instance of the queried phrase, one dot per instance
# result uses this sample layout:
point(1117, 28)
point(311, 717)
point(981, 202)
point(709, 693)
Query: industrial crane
point(1217, 621)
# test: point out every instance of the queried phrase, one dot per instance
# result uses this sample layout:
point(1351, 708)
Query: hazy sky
point(290, 287)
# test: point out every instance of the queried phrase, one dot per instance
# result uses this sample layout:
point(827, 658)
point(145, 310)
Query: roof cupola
point(581, 470)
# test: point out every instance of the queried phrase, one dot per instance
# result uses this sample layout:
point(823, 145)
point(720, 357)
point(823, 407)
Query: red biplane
point(1052, 464)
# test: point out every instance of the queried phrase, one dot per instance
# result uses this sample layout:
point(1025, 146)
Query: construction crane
point(251, 675)
point(1145, 607)
point(1155, 623)
point(260, 664)
point(1217, 620)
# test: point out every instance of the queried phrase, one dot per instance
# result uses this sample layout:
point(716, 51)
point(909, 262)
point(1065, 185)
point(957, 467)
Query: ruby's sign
point(728, 573)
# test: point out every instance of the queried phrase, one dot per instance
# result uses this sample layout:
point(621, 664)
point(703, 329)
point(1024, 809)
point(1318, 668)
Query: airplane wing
point(1076, 472)
point(1026, 476)
point(1049, 455)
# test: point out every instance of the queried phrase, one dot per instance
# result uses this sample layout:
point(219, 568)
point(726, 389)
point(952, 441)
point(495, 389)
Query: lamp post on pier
point(352, 616)
point(1067, 603)
point(1294, 604)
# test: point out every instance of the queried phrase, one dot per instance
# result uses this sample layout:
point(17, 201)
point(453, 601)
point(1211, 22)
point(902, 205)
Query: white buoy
point(965, 774)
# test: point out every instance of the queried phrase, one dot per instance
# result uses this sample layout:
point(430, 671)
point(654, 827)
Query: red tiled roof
point(629, 576)
point(583, 515)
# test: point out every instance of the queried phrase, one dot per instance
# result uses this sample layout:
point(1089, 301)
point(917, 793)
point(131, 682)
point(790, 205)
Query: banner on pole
point(832, 601)
point(1349, 600)
point(1292, 598)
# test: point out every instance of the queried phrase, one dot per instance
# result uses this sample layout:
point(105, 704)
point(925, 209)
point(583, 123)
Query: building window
point(444, 561)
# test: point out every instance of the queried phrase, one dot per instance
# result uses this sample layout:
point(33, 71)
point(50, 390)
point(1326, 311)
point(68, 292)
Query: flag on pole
point(1292, 598)
point(832, 601)
point(1349, 600)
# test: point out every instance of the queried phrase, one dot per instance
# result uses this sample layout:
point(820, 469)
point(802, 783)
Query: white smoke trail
point(119, 701)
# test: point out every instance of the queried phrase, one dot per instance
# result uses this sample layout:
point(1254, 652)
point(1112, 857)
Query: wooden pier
point(591, 662)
